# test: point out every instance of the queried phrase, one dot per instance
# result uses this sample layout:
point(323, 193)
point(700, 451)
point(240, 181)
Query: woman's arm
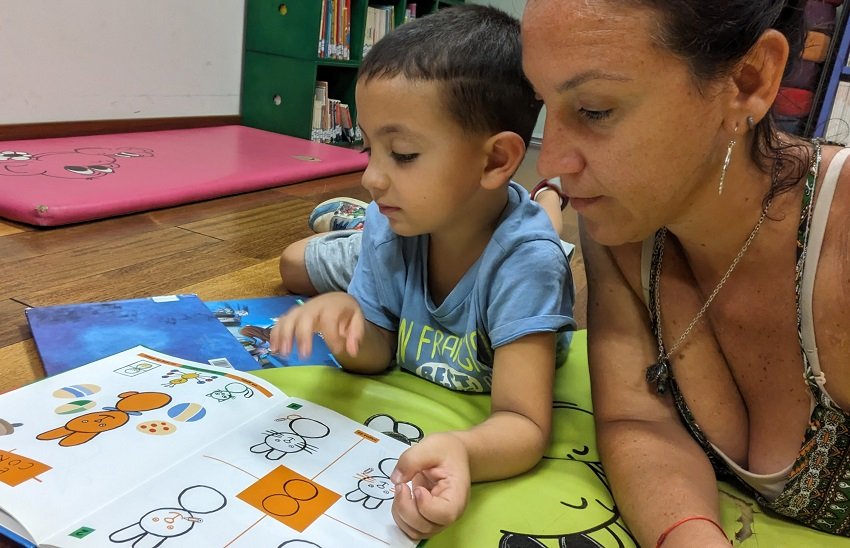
point(657, 472)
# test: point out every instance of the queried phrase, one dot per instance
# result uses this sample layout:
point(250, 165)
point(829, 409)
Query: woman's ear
point(758, 76)
point(505, 152)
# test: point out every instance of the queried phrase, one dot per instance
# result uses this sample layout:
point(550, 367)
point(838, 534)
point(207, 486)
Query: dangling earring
point(726, 162)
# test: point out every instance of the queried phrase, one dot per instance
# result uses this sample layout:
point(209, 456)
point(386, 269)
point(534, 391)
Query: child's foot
point(338, 214)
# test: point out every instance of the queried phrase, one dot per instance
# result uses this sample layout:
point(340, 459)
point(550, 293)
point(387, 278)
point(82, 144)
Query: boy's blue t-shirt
point(521, 284)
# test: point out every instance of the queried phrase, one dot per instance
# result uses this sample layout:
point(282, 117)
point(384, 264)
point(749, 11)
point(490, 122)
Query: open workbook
point(144, 449)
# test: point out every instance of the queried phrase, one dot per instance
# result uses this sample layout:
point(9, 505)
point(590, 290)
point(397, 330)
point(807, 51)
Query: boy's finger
point(407, 515)
point(280, 339)
point(438, 510)
point(412, 462)
point(304, 330)
point(352, 330)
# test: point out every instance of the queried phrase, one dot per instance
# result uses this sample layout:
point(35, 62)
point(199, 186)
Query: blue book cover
point(250, 321)
point(71, 335)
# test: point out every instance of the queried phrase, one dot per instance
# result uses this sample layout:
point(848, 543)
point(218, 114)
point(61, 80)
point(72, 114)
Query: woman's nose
point(559, 154)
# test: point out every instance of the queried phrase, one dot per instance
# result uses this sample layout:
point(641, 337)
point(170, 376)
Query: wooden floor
point(220, 249)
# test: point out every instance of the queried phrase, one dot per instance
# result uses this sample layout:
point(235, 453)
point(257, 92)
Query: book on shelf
point(335, 30)
point(250, 321)
point(380, 20)
point(332, 122)
point(409, 12)
point(322, 23)
point(146, 448)
point(67, 336)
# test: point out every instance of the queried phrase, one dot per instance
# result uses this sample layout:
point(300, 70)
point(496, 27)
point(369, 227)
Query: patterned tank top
point(817, 491)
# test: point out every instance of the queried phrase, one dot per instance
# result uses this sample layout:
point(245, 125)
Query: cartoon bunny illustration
point(373, 489)
point(161, 524)
point(85, 427)
point(278, 443)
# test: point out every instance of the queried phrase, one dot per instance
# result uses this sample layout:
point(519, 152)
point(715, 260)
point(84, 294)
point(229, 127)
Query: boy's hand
point(336, 316)
point(438, 467)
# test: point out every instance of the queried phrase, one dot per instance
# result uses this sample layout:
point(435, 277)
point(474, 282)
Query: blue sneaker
point(338, 214)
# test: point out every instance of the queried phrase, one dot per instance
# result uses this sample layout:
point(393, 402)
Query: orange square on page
point(16, 469)
point(289, 497)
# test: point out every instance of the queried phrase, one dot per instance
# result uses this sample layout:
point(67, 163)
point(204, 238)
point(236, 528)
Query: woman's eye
point(595, 115)
point(404, 158)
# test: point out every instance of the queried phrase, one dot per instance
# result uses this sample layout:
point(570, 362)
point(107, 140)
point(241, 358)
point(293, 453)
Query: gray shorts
point(330, 259)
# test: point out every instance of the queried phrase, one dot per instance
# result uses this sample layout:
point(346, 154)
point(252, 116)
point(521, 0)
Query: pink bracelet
point(667, 531)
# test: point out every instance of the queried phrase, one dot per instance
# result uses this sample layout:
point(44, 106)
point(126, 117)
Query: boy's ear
point(505, 151)
point(757, 78)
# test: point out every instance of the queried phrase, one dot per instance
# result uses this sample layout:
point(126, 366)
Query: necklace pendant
point(659, 373)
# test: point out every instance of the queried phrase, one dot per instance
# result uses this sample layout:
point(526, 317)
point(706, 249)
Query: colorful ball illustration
point(187, 412)
point(156, 428)
point(77, 391)
point(74, 407)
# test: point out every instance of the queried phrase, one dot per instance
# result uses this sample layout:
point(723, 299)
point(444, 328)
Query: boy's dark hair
point(474, 51)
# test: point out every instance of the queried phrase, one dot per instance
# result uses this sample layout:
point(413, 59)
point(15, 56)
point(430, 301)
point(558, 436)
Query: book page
point(300, 475)
point(250, 322)
point(71, 335)
point(77, 440)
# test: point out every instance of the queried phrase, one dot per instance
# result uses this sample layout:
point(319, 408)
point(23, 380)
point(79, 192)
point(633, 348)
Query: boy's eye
point(594, 115)
point(404, 158)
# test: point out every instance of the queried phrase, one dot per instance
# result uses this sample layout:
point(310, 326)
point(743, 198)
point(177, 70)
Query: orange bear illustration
point(85, 427)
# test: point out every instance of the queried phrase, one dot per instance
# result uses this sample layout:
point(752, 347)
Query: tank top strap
point(810, 241)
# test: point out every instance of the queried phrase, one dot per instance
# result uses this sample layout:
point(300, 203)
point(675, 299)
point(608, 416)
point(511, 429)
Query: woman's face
point(634, 140)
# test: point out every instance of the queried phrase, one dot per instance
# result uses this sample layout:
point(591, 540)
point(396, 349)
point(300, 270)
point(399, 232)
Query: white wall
point(64, 60)
point(67, 60)
point(515, 8)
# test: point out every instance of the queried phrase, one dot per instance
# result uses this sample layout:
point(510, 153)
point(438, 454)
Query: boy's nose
point(373, 179)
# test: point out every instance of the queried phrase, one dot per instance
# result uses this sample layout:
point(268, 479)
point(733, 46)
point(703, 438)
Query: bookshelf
point(282, 63)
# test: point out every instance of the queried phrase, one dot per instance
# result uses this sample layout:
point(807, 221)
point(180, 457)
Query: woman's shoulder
point(834, 195)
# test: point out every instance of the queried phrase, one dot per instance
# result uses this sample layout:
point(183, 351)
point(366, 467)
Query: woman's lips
point(581, 204)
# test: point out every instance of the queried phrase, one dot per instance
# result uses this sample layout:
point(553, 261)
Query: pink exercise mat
point(51, 182)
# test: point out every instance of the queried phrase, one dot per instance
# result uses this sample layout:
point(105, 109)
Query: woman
point(695, 216)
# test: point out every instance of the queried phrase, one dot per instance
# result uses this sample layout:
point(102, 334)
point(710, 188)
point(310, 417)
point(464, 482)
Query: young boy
point(461, 278)
point(325, 262)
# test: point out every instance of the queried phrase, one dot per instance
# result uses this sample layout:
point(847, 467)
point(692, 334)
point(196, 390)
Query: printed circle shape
point(187, 412)
point(77, 391)
point(281, 505)
point(73, 407)
point(300, 489)
point(156, 428)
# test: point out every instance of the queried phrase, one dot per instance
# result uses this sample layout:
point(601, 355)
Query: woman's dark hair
point(712, 36)
point(474, 52)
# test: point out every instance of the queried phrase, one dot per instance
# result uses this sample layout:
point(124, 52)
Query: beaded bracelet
point(667, 531)
point(552, 184)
